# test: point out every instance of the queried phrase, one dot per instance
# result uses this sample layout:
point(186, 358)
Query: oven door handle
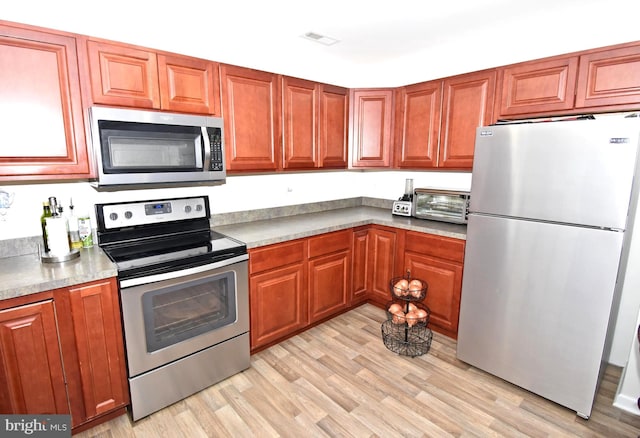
point(182, 273)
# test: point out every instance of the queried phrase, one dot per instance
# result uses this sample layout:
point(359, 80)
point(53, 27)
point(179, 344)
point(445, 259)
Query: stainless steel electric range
point(184, 295)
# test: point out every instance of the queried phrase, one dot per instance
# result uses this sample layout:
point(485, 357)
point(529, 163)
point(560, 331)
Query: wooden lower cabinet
point(329, 274)
point(277, 297)
point(64, 354)
point(382, 262)
point(438, 261)
point(359, 266)
point(98, 342)
point(297, 283)
point(31, 364)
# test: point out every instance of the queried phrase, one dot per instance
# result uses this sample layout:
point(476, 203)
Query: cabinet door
point(371, 127)
point(360, 267)
point(251, 111)
point(189, 85)
point(123, 75)
point(278, 304)
point(329, 284)
point(300, 112)
point(611, 77)
point(467, 103)
point(382, 259)
point(444, 286)
point(418, 121)
point(31, 375)
point(42, 133)
point(537, 87)
point(334, 114)
point(99, 345)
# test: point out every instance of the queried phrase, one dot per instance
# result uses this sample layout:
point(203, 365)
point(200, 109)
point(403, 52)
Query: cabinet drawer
point(330, 242)
point(274, 256)
point(435, 246)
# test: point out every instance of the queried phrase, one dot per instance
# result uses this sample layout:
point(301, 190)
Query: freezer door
point(577, 172)
point(536, 299)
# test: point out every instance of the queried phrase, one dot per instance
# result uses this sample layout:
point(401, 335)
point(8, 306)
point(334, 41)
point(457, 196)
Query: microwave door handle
point(207, 148)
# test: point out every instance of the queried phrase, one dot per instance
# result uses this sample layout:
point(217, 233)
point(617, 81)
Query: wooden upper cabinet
point(31, 373)
point(251, 111)
point(609, 78)
point(40, 92)
point(418, 109)
point(371, 125)
point(123, 75)
point(189, 85)
point(545, 86)
point(334, 126)
point(300, 113)
point(315, 125)
point(467, 104)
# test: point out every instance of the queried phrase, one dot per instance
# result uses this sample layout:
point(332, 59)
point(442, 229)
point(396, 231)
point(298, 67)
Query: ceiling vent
point(322, 39)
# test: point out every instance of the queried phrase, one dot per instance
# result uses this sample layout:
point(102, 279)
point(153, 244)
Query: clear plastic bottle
point(74, 235)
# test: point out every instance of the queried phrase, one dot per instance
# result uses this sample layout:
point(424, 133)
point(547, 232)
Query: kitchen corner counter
point(25, 274)
point(270, 231)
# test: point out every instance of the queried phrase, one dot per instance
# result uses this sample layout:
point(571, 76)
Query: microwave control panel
point(217, 157)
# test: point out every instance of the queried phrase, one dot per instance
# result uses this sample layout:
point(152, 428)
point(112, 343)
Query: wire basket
point(410, 313)
point(410, 292)
point(406, 341)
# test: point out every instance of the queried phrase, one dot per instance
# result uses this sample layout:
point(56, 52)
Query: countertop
point(266, 232)
point(25, 274)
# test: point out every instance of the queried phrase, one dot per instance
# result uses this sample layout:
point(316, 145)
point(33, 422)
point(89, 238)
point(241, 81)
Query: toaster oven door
point(441, 207)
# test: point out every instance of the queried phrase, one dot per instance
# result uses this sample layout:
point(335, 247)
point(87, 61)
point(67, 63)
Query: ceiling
point(381, 43)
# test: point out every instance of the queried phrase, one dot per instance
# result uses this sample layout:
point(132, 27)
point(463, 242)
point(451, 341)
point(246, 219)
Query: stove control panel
point(130, 214)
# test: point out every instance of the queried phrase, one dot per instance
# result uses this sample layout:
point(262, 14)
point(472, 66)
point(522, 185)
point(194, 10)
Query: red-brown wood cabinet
point(315, 125)
point(43, 133)
point(126, 75)
point(371, 127)
point(251, 109)
point(438, 260)
point(544, 86)
point(609, 78)
point(63, 353)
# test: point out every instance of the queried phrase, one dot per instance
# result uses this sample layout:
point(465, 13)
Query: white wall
point(240, 193)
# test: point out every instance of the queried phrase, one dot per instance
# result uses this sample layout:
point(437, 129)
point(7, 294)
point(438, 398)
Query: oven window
point(136, 147)
point(176, 313)
point(452, 207)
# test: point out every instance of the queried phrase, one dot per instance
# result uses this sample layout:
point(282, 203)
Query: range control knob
point(113, 216)
point(199, 207)
point(187, 209)
point(128, 214)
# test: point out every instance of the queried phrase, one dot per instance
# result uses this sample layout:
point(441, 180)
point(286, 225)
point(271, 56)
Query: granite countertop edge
point(271, 231)
point(26, 274)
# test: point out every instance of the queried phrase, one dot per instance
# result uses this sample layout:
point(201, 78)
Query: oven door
point(170, 316)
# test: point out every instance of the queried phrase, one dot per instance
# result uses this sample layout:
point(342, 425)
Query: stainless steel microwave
point(441, 205)
point(134, 147)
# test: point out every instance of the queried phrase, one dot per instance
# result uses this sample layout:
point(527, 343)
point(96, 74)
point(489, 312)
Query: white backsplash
point(239, 193)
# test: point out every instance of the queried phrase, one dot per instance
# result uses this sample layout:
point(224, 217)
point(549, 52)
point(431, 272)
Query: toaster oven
point(441, 205)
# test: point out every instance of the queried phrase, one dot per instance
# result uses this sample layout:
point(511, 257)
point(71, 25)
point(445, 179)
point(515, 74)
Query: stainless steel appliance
point(441, 205)
point(184, 295)
point(546, 245)
point(145, 147)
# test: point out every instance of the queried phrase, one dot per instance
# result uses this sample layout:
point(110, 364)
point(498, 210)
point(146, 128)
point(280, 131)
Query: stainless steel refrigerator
point(546, 244)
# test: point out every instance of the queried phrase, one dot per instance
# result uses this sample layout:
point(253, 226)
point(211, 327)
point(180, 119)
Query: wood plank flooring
point(339, 380)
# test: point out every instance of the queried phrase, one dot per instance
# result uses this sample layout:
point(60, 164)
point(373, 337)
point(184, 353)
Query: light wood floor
point(338, 379)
